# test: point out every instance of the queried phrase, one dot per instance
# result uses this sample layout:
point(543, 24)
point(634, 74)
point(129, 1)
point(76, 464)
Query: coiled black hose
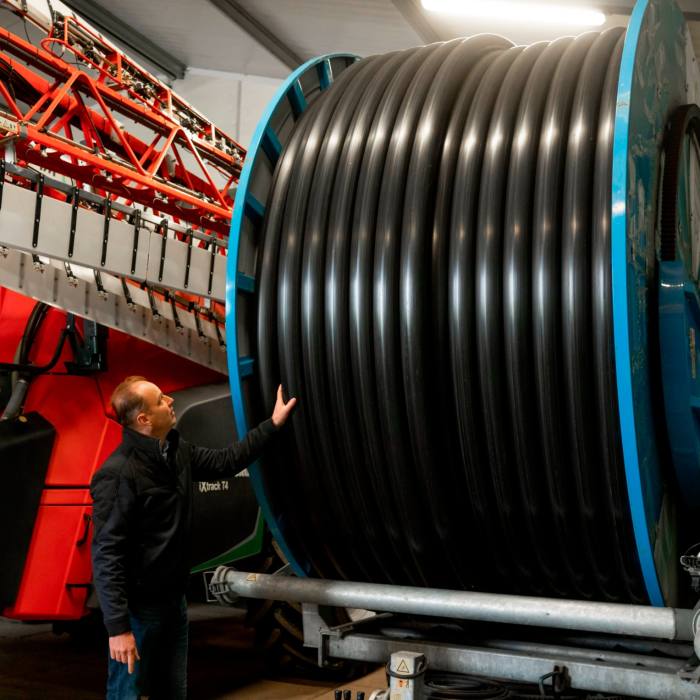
point(450, 686)
point(435, 288)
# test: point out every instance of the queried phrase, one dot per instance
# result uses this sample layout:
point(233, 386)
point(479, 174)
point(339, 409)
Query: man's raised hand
point(282, 410)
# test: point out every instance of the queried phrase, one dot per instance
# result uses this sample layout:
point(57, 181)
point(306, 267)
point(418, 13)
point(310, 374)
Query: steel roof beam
point(413, 13)
point(105, 21)
point(261, 34)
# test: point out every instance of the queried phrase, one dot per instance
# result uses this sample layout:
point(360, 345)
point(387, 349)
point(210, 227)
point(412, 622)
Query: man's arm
point(208, 464)
point(113, 500)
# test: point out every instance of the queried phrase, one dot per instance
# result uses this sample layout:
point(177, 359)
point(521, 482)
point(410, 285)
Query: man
point(142, 511)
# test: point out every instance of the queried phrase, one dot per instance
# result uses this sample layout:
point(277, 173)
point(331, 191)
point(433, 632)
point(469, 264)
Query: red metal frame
point(85, 120)
point(63, 118)
point(51, 105)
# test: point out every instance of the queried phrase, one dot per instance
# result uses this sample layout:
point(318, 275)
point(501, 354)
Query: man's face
point(158, 416)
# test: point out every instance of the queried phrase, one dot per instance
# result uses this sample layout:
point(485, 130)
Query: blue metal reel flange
point(679, 302)
point(655, 78)
point(271, 135)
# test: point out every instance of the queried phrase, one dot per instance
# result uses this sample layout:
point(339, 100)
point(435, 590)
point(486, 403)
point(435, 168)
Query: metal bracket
point(211, 266)
point(2, 178)
point(72, 279)
point(222, 342)
point(37, 210)
point(100, 287)
point(135, 246)
point(561, 681)
point(198, 323)
point(163, 230)
point(325, 634)
point(340, 631)
point(105, 234)
point(75, 203)
point(129, 301)
point(189, 256)
point(176, 320)
point(315, 631)
point(152, 304)
point(318, 634)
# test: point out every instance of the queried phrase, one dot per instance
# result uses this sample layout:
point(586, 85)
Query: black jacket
point(142, 513)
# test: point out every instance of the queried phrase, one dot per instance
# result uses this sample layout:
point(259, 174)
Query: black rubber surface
point(480, 501)
point(489, 317)
point(422, 275)
point(435, 289)
point(373, 493)
point(289, 312)
point(517, 330)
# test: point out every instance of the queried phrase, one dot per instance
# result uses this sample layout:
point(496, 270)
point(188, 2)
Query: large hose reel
point(475, 268)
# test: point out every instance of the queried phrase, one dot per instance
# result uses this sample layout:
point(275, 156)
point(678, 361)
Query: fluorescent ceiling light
point(534, 13)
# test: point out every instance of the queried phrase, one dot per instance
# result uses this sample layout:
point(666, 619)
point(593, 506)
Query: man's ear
point(142, 419)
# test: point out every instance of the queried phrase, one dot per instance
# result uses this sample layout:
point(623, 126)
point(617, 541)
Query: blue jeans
point(161, 639)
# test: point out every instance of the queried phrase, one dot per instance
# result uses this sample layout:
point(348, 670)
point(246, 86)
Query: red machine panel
point(57, 574)
point(68, 402)
point(77, 110)
point(57, 571)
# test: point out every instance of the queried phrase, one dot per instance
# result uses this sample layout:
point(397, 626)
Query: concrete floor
point(36, 663)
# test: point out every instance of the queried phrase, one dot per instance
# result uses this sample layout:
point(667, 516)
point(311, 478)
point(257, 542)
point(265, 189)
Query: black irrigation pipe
point(286, 485)
point(352, 502)
point(373, 369)
point(422, 315)
point(517, 309)
point(290, 314)
point(372, 492)
point(435, 288)
point(546, 313)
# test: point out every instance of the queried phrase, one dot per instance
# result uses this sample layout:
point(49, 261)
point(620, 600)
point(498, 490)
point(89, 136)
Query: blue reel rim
point(291, 92)
point(644, 485)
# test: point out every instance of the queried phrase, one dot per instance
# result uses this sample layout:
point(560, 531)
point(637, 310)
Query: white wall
point(234, 102)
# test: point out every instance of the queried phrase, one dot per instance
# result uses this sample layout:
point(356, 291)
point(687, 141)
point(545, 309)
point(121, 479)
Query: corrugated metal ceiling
point(201, 35)
point(314, 27)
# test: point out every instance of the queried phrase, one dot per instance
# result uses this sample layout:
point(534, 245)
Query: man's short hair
point(126, 403)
